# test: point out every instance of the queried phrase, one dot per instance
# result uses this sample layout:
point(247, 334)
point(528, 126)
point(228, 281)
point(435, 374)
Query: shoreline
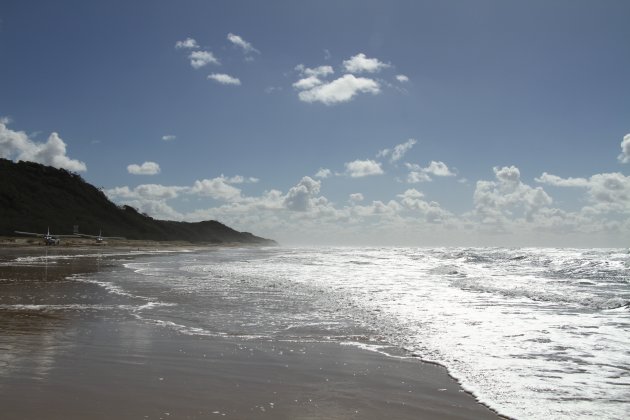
point(30, 243)
point(69, 364)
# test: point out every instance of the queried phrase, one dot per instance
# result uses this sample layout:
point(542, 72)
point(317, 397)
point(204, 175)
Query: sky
point(357, 122)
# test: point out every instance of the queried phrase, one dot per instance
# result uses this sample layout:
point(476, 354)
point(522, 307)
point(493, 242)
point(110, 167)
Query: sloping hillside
point(34, 197)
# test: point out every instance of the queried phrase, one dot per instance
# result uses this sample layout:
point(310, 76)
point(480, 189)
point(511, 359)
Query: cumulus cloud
point(149, 198)
point(360, 63)
point(200, 59)
point(300, 197)
point(413, 200)
point(169, 137)
point(398, 151)
point(224, 79)
point(153, 198)
point(607, 192)
point(188, 43)
point(238, 41)
point(218, 188)
point(507, 197)
point(624, 157)
point(420, 174)
point(412, 194)
point(340, 90)
point(557, 181)
point(313, 86)
point(361, 168)
point(18, 146)
point(438, 169)
point(402, 78)
point(323, 173)
point(307, 83)
point(321, 71)
point(147, 168)
point(377, 208)
point(415, 177)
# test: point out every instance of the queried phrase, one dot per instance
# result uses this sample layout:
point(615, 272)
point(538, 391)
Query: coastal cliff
point(35, 197)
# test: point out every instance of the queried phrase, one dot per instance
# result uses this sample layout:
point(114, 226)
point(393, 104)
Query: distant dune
point(34, 197)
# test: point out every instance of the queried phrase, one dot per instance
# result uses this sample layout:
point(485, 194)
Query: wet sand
point(70, 364)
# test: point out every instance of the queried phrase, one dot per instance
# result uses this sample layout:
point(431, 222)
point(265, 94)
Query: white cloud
point(147, 168)
point(502, 205)
point(152, 198)
point(557, 181)
point(438, 169)
point(312, 76)
point(624, 157)
point(120, 192)
point(361, 168)
point(340, 90)
point(17, 145)
point(247, 47)
point(200, 59)
point(412, 194)
point(323, 173)
point(356, 198)
point(413, 200)
point(508, 174)
point(147, 192)
point(398, 151)
point(402, 78)
point(498, 201)
point(377, 209)
point(607, 192)
point(218, 188)
point(415, 177)
point(188, 43)
point(301, 196)
point(612, 190)
point(360, 63)
point(401, 149)
point(169, 137)
point(224, 79)
point(149, 198)
point(156, 208)
point(420, 174)
point(307, 83)
point(321, 71)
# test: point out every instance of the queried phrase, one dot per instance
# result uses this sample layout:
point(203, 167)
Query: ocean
point(532, 333)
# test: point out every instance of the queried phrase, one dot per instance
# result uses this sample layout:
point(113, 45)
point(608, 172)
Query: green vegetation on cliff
point(34, 197)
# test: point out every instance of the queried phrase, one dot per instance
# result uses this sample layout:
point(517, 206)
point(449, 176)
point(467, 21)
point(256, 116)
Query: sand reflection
point(38, 301)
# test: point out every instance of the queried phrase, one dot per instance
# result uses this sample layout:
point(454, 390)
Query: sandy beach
point(59, 362)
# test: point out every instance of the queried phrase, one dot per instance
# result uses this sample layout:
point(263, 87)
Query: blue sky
point(354, 122)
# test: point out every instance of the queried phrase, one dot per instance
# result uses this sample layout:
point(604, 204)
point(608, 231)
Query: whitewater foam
point(532, 333)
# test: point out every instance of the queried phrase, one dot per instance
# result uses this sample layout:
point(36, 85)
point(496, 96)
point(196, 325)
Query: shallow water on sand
point(533, 333)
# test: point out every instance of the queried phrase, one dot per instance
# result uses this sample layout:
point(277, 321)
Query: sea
point(532, 333)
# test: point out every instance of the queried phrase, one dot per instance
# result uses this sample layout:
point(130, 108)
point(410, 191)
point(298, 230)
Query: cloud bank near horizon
point(502, 207)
